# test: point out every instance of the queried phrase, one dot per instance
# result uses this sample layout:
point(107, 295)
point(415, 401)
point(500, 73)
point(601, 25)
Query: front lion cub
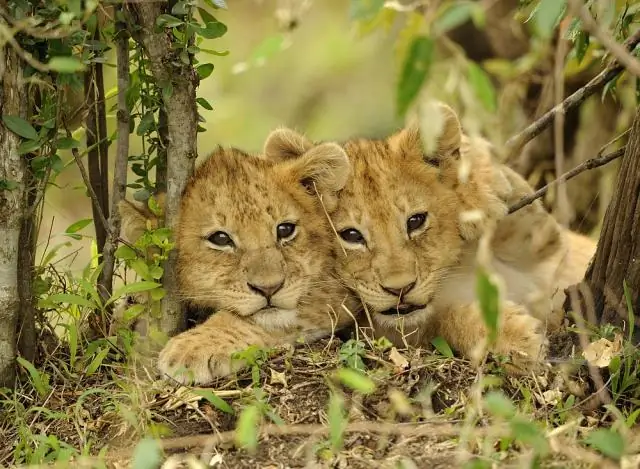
point(255, 245)
point(410, 226)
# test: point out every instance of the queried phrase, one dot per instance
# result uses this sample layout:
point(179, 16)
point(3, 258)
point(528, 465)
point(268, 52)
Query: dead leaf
point(278, 377)
point(551, 397)
point(398, 359)
point(600, 352)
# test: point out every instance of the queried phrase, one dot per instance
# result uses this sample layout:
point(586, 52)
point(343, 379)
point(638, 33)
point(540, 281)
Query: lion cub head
point(405, 217)
point(253, 237)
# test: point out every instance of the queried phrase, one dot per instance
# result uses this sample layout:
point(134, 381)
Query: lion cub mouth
point(402, 309)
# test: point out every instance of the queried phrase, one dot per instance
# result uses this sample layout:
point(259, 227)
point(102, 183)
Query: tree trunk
point(12, 206)
point(617, 258)
point(182, 124)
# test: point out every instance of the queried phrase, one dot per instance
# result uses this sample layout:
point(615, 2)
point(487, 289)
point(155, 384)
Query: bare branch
point(515, 143)
point(105, 281)
point(589, 164)
point(618, 51)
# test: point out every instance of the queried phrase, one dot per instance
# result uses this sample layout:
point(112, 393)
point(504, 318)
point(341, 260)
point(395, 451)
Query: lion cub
point(255, 245)
point(409, 229)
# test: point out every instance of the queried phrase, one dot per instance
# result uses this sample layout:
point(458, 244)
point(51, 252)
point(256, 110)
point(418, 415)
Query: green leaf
point(608, 442)
point(39, 381)
point(97, 361)
point(337, 420)
point(205, 104)
point(246, 434)
point(133, 312)
point(581, 45)
point(157, 294)
point(146, 123)
point(458, 13)
point(130, 288)
point(27, 146)
point(356, 380)
point(66, 65)
point(442, 346)
point(8, 185)
point(204, 70)
point(19, 126)
point(71, 299)
point(547, 16)
point(77, 226)
point(365, 10)
point(147, 455)
point(206, 16)
point(414, 71)
point(125, 252)
point(482, 86)
point(487, 293)
point(213, 30)
point(168, 21)
point(215, 400)
point(66, 143)
point(499, 404)
point(156, 272)
point(528, 432)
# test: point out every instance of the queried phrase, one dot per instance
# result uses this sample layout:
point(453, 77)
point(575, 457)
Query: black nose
point(399, 291)
point(266, 290)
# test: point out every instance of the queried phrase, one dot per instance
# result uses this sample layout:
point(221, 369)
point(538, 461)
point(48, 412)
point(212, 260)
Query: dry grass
point(429, 414)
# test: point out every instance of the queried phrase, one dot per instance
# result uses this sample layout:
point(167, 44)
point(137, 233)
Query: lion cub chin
point(411, 226)
point(254, 244)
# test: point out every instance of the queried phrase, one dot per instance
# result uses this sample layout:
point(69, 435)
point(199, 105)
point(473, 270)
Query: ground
point(416, 409)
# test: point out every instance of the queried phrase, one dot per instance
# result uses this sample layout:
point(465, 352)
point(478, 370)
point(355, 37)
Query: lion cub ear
point(134, 217)
point(442, 134)
point(285, 144)
point(324, 169)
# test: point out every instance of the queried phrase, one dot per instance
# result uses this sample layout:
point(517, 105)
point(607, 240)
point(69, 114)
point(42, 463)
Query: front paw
point(193, 358)
point(522, 339)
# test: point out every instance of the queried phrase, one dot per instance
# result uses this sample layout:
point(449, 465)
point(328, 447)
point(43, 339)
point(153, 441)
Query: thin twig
point(562, 201)
point(589, 164)
point(515, 143)
point(94, 197)
point(87, 182)
point(621, 54)
point(444, 430)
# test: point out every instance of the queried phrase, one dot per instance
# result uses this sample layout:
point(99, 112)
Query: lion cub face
point(253, 237)
point(404, 218)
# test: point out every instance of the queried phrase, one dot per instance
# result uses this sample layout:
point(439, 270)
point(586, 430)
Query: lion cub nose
point(399, 291)
point(266, 290)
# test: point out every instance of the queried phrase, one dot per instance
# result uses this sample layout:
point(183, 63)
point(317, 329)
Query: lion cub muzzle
point(266, 274)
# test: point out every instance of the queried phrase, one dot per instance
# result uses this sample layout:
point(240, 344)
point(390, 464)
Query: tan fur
point(466, 194)
point(247, 197)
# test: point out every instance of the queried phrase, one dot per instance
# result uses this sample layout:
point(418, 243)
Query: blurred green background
point(320, 77)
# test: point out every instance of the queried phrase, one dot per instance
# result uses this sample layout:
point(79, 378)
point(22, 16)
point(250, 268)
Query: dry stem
point(589, 164)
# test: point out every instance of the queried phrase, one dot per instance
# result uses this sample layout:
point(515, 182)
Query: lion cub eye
point(285, 230)
point(221, 239)
point(415, 222)
point(351, 235)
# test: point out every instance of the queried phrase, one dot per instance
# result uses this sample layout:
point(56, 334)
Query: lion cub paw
point(196, 358)
point(522, 338)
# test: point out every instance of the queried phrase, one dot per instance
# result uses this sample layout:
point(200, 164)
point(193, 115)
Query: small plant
point(351, 354)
